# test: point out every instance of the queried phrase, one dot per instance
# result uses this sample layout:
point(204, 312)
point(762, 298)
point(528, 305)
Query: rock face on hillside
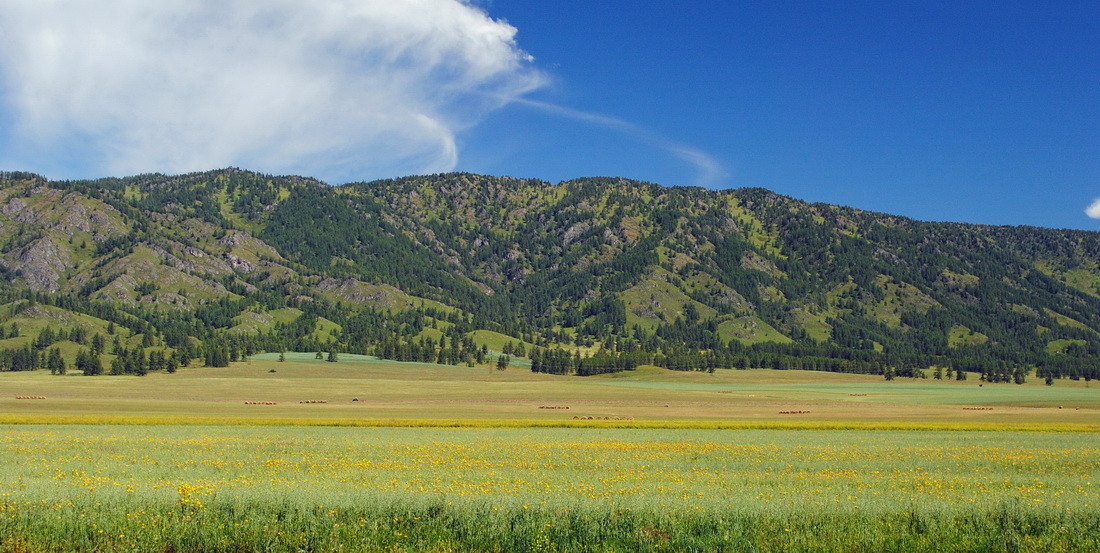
point(41, 264)
point(240, 265)
point(100, 220)
point(354, 292)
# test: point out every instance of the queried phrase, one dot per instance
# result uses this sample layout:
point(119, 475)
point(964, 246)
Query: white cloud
point(709, 171)
point(340, 89)
point(1093, 210)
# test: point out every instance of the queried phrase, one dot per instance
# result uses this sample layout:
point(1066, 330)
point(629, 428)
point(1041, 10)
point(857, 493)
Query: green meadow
point(239, 488)
point(369, 455)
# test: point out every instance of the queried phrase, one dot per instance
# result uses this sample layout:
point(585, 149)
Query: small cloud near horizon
point(1093, 210)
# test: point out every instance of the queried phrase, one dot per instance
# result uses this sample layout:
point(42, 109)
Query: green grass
point(766, 241)
point(34, 320)
point(252, 322)
point(899, 298)
point(145, 266)
point(912, 393)
point(703, 283)
point(1060, 346)
point(961, 281)
point(381, 296)
point(1067, 321)
point(495, 341)
point(424, 457)
point(813, 324)
point(655, 294)
point(750, 330)
point(172, 488)
point(325, 330)
point(1086, 280)
point(433, 333)
point(962, 336)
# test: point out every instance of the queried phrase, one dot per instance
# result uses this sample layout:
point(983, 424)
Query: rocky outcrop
point(241, 239)
point(352, 291)
point(41, 264)
point(240, 265)
point(13, 207)
point(101, 221)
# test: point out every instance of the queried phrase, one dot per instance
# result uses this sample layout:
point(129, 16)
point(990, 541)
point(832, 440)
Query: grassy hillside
point(220, 265)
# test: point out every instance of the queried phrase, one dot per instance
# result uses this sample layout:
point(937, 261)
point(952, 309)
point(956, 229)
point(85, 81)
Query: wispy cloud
point(1093, 210)
point(708, 171)
point(341, 89)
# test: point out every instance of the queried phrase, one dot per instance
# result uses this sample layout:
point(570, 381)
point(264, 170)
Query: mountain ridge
point(640, 273)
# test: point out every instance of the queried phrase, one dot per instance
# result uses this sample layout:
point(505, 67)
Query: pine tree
point(55, 363)
point(95, 365)
point(89, 364)
point(118, 366)
point(45, 338)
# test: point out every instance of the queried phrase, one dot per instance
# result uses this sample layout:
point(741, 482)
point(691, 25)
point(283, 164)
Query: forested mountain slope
point(584, 276)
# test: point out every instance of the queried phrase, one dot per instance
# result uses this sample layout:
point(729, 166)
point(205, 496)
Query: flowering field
point(236, 488)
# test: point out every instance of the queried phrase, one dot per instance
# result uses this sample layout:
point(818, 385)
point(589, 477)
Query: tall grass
point(210, 488)
point(435, 525)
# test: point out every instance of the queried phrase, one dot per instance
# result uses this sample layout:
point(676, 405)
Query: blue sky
point(961, 111)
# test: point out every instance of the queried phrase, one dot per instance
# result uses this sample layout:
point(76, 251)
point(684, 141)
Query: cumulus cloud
point(1093, 210)
point(341, 89)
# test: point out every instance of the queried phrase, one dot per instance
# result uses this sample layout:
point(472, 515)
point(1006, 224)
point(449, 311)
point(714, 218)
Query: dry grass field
point(358, 390)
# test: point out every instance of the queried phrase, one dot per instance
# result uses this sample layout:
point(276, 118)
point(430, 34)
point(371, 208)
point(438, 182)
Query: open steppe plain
point(369, 455)
point(263, 389)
